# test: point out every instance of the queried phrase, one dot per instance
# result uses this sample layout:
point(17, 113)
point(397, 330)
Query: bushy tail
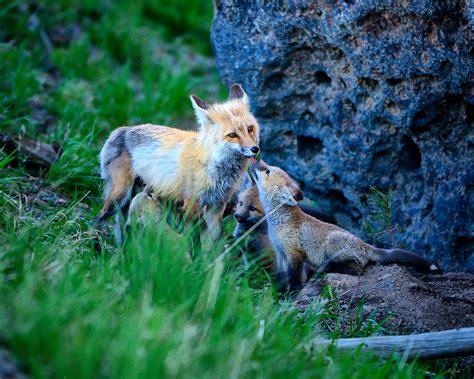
point(403, 257)
point(116, 170)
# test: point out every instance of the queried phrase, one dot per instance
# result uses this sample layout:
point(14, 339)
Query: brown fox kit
point(249, 211)
point(297, 237)
point(201, 167)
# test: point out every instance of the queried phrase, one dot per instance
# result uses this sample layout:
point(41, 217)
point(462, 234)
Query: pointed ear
point(200, 110)
point(237, 93)
point(286, 197)
point(298, 194)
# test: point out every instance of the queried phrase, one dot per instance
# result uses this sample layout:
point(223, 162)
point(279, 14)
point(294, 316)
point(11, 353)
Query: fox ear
point(298, 194)
point(200, 110)
point(286, 197)
point(237, 93)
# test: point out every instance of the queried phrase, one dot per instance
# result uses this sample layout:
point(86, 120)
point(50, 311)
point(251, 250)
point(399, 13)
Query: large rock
point(351, 94)
point(9, 367)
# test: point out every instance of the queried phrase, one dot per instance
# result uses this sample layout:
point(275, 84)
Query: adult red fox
point(202, 167)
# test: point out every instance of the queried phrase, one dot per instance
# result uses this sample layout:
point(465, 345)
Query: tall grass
point(150, 310)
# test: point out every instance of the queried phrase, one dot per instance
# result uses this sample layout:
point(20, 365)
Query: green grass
point(149, 310)
point(146, 309)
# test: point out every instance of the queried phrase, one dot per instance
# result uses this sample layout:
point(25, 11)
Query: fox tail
point(403, 257)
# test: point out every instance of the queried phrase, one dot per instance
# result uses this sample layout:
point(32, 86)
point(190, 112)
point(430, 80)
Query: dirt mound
point(410, 302)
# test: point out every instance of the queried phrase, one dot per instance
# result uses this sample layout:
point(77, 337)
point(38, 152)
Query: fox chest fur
point(284, 234)
point(223, 179)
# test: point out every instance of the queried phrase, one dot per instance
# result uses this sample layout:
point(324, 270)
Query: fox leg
point(281, 271)
point(308, 272)
point(213, 220)
point(119, 183)
point(295, 271)
point(121, 225)
point(190, 211)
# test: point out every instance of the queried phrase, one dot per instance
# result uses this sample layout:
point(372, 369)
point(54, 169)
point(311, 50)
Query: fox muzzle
point(250, 152)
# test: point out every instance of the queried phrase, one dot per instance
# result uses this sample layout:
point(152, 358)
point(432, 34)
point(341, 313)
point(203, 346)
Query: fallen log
point(424, 346)
point(37, 152)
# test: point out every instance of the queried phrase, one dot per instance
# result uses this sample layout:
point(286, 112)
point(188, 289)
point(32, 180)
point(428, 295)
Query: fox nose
point(255, 149)
point(238, 217)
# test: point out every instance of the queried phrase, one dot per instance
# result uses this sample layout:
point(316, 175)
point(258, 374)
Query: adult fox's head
point(275, 185)
point(249, 209)
point(230, 126)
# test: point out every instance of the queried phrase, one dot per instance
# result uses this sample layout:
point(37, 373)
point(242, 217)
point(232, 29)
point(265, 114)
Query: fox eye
point(267, 172)
point(250, 128)
point(232, 135)
point(241, 203)
point(252, 208)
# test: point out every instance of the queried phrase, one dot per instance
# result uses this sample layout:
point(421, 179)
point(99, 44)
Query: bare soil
point(408, 302)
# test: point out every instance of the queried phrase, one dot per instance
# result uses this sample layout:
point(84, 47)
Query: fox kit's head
point(249, 208)
point(228, 127)
point(275, 185)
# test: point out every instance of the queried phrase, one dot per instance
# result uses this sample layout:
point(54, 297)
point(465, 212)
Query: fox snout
point(250, 152)
point(260, 165)
point(241, 218)
point(257, 166)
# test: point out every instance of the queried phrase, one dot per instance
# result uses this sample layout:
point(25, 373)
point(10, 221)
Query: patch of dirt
point(410, 302)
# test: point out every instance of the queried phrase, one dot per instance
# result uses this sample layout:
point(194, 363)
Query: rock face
point(9, 367)
point(351, 94)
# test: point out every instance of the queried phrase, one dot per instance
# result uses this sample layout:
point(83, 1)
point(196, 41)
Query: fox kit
point(297, 237)
point(201, 167)
point(249, 211)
